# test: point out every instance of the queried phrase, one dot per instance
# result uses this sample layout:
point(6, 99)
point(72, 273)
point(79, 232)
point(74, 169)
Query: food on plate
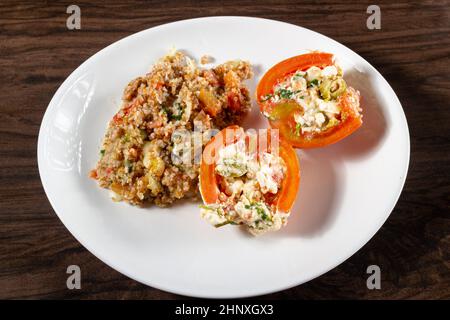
point(139, 158)
point(249, 179)
point(308, 100)
point(205, 59)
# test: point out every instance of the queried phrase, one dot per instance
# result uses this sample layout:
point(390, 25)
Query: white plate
point(347, 190)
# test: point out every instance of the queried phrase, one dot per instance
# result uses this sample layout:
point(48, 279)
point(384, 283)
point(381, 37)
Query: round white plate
point(347, 190)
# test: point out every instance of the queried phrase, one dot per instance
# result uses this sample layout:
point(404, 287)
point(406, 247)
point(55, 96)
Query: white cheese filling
point(304, 88)
point(246, 181)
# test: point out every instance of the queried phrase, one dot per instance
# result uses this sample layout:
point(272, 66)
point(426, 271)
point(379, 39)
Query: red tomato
point(350, 118)
point(210, 188)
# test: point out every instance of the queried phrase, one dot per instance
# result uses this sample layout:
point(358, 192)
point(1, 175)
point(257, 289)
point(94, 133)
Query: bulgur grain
point(136, 162)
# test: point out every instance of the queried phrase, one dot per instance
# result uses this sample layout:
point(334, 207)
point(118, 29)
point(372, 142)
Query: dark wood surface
point(411, 51)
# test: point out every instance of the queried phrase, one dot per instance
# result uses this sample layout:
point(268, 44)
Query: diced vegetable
point(331, 110)
point(210, 102)
point(332, 89)
point(156, 166)
point(231, 80)
point(285, 109)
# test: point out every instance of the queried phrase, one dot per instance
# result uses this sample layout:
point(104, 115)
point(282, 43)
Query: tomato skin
point(285, 67)
point(291, 182)
point(351, 120)
point(209, 184)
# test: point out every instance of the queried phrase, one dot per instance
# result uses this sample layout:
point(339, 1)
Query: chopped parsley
point(179, 112)
point(298, 126)
point(177, 115)
point(102, 152)
point(126, 138)
point(285, 94)
point(263, 214)
point(313, 83)
point(202, 206)
point(266, 97)
point(222, 224)
point(165, 109)
point(259, 209)
point(143, 133)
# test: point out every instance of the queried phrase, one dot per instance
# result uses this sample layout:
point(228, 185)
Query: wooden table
point(411, 50)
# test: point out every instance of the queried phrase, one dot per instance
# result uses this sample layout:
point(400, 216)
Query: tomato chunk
point(281, 114)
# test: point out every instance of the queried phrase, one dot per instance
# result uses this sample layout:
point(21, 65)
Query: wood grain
point(411, 50)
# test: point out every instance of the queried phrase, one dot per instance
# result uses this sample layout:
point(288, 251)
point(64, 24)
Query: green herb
point(232, 162)
point(165, 109)
point(173, 115)
point(297, 76)
point(266, 97)
point(126, 138)
point(179, 112)
point(259, 210)
point(262, 213)
point(298, 126)
point(128, 165)
point(285, 94)
point(102, 152)
point(331, 123)
point(143, 133)
point(177, 116)
point(313, 83)
point(222, 224)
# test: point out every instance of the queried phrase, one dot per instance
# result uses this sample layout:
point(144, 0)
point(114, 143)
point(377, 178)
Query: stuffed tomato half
point(308, 100)
point(248, 178)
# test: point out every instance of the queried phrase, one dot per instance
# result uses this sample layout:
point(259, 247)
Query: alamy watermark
point(374, 280)
point(73, 22)
point(74, 280)
point(199, 145)
point(374, 20)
